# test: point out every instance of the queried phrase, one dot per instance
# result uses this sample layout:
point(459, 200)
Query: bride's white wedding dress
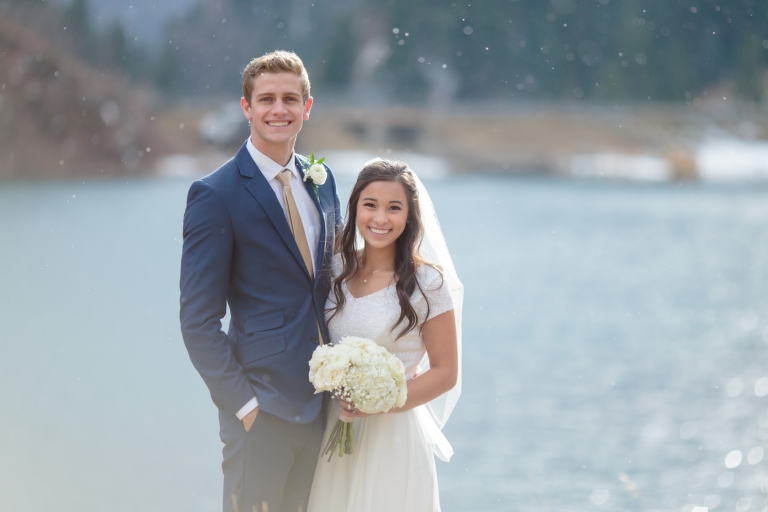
point(392, 468)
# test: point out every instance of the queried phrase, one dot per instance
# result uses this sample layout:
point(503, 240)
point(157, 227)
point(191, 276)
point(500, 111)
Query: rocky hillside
point(60, 119)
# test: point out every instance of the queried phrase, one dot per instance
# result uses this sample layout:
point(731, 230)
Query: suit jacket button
point(314, 339)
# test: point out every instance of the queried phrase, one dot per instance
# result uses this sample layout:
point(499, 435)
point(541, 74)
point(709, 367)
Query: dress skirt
point(392, 468)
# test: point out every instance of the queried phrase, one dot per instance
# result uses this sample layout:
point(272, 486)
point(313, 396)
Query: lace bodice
point(373, 316)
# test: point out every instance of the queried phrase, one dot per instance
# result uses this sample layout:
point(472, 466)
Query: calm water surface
point(615, 338)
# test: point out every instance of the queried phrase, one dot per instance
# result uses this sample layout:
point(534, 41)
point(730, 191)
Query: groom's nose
point(279, 106)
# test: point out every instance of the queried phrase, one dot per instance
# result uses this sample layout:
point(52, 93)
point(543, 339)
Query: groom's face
point(276, 110)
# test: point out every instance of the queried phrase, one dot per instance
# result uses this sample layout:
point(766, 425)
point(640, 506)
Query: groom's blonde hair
point(275, 62)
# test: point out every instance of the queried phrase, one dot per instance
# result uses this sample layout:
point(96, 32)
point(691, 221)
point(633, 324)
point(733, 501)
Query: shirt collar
point(268, 167)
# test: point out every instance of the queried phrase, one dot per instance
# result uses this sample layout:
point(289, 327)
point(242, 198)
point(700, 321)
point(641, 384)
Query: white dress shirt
point(310, 217)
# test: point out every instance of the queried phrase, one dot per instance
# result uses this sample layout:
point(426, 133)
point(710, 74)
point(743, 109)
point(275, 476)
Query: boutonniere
point(316, 172)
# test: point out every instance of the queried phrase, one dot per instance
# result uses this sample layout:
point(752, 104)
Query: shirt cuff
point(251, 405)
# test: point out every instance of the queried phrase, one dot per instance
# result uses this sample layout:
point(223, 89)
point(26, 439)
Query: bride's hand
point(349, 410)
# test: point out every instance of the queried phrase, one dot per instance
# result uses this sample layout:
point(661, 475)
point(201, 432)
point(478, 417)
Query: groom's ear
point(307, 108)
point(246, 108)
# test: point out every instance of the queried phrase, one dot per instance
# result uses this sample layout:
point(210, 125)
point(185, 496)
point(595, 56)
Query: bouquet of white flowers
point(359, 371)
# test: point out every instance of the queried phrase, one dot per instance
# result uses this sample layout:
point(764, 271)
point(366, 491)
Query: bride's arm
point(439, 336)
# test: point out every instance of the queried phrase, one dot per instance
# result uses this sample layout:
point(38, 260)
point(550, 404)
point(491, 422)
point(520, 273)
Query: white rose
point(317, 174)
point(358, 357)
point(402, 395)
point(374, 349)
point(319, 359)
point(338, 358)
point(396, 367)
point(335, 374)
point(354, 341)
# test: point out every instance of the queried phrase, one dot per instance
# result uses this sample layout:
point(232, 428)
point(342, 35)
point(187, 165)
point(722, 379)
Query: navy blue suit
point(239, 250)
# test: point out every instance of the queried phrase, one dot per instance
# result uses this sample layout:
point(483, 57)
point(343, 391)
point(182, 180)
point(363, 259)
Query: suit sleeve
point(205, 270)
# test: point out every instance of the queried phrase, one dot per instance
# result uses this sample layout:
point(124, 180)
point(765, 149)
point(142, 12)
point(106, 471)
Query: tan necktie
point(297, 228)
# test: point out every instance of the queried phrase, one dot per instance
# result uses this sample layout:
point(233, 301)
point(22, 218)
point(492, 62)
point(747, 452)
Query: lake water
point(615, 342)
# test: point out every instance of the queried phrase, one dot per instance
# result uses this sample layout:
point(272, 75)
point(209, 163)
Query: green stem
point(333, 439)
point(342, 436)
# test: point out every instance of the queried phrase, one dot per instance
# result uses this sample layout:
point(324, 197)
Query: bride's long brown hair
point(407, 257)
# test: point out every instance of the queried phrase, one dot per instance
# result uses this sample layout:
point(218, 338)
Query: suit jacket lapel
point(260, 189)
point(319, 251)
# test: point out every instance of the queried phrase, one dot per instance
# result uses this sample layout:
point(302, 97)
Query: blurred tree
point(117, 52)
point(484, 42)
point(748, 70)
point(601, 49)
point(340, 54)
point(166, 72)
point(77, 19)
point(114, 47)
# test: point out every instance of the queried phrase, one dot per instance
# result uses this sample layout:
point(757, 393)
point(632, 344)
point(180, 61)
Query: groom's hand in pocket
point(249, 418)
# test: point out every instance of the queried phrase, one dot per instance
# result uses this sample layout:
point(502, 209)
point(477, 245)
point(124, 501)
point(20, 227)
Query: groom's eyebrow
point(270, 93)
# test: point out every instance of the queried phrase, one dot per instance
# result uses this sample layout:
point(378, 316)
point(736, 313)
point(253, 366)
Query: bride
point(400, 290)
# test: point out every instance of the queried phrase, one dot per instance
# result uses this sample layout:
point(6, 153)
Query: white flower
point(359, 357)
point(318, 360)
point(354, 341)
point(396, 368)
point(338, 358)
point(316, 173)
point(332, 376)
point(401, 396)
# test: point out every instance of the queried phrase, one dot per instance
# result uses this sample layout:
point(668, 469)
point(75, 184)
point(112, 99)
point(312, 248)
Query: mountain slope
point(60, 118)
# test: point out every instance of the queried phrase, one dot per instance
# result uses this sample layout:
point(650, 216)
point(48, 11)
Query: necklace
point(365, 279)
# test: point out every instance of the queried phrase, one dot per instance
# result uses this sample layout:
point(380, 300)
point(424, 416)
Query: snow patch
point(732, 160)
point(621, 166)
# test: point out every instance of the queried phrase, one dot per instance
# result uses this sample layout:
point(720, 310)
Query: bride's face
point(382, 213)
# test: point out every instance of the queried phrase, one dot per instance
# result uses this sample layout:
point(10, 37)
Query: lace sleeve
point(436, 292)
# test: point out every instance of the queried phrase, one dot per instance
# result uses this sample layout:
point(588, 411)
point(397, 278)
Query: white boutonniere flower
point(315, 172)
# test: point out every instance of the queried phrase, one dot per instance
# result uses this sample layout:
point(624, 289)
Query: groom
point(259, 238)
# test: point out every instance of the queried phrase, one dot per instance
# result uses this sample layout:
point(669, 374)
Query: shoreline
point(645, 143)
